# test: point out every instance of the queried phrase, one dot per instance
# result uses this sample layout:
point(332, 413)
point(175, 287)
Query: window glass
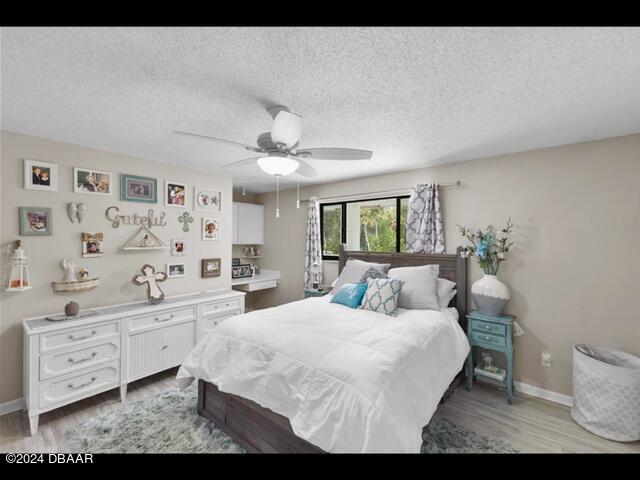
point(371, 225)
point(331, 229)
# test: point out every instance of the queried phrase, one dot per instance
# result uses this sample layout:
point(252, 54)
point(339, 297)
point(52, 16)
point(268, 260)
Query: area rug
point(169, 423)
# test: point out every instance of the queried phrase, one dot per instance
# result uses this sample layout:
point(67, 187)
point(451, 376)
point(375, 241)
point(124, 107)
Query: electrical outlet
point(545, 359)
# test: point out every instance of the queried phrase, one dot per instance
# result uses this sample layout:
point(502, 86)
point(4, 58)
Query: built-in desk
point(265, 279)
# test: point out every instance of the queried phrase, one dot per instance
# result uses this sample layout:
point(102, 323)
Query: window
point(364, 225)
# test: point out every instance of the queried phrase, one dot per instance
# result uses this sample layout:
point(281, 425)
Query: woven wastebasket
point(606, 392)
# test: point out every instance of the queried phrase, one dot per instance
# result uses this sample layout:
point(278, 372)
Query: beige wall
point(575, 273)
point(116, 267)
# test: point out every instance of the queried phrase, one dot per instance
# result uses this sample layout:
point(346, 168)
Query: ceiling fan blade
point(219, 140)
point(286, 128)
point(335, 153)
point(305, 169)
point(241, 163)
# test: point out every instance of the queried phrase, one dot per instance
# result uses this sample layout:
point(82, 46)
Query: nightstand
point(314, 292)
point(491, 333)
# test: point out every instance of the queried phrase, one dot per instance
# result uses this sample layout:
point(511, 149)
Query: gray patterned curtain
point(313, 254)
point(424, 221)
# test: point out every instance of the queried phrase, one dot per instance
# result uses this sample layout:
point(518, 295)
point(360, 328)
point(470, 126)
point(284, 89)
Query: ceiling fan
point(278, 150)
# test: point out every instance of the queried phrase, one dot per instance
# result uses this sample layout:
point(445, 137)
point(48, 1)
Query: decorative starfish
point(185, 219)
point(150, 277)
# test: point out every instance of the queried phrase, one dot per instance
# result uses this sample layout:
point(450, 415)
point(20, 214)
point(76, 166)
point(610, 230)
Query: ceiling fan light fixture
point(278, 166)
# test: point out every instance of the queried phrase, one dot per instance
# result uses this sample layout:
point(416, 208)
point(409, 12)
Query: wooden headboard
point(452, 267)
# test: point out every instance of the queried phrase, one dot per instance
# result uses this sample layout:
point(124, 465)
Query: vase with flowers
point(490, 246)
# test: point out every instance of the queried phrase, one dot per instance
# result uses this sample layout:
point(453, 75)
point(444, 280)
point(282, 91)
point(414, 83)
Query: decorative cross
point(185, 219)
point(150, 277)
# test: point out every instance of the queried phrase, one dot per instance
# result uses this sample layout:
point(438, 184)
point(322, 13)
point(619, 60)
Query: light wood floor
point(530, 424)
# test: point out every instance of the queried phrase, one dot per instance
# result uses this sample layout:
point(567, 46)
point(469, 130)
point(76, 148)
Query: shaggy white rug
point(169, 423)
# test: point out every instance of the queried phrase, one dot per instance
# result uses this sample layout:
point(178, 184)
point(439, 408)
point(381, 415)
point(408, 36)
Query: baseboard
point(538, 392)
point(11, 406)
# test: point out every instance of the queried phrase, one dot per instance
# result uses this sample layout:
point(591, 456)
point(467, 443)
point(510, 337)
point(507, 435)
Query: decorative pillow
point(350, 294)
point(372, 272)
point(420, 290)
point(446, 292)
point(382, 295)
point(354, 269)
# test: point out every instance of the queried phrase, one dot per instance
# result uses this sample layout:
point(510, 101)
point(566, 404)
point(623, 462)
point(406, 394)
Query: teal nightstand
point(491, 333)
point(313, 292)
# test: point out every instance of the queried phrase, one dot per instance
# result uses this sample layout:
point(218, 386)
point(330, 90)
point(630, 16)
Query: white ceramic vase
point(490, 295)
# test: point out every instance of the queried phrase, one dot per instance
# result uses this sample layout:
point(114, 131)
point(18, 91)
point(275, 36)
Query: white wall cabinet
point(248, 224)
point(74, 359)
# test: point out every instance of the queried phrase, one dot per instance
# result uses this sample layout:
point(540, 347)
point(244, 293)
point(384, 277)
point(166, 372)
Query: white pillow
point(354, 270)
point(446, 291)
point(420, 288)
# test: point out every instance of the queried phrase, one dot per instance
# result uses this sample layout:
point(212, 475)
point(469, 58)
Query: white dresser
point(74, 359)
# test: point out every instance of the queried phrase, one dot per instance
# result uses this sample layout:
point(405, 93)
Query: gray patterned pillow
point(372, 272)
point(382, 295)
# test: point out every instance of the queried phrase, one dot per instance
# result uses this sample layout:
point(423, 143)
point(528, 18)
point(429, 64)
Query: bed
point(313, 376)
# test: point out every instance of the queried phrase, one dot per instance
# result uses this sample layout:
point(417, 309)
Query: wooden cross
point(151, 278)
point(186, 219)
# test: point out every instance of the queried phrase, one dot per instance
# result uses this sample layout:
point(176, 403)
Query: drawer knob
point(75, 387)
point(80, 360)
point(158, 319)
point(487, 327)
point(164, 347)
point(487, 338)
point(71, 337)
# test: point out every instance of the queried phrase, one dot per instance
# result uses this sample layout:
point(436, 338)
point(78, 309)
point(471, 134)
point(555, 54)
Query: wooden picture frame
point(35, 221)
point(92, 182)
point(210, 267)
point(40, 175)
point(134, 188)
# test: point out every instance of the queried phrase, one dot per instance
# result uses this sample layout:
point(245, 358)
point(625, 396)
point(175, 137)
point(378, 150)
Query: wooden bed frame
point(260, 430)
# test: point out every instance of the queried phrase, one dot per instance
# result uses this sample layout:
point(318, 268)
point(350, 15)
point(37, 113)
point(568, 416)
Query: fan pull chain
point(244, 192)
point(277, 197)
point(298, 197)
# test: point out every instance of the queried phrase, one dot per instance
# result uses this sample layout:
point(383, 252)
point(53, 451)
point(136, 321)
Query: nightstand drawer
point(488, 327)
point(489, 339)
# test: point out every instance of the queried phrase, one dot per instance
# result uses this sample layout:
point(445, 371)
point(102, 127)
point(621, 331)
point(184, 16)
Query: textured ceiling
point(415, 96)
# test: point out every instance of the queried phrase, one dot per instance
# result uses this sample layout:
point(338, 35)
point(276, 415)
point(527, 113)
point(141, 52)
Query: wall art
point(185, 219)
point(206, 199)
point(175, 194)
point(144, 239)
point(175, 270)
point(150, 220)
point(92, 244)
point(76, 211)
point(134, 188)
point(40, 175)
point(210, 229)
point(151, 278)
point(36, 221)
point(86, 180)
point(178, 247)
point(210, 267)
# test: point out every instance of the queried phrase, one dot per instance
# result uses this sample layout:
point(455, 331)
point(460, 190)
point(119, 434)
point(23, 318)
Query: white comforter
point(348, 380)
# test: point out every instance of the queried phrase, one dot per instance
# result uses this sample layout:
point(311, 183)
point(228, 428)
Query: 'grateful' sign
point(150, 220)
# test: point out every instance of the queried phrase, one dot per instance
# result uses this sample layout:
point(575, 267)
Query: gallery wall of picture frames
point(38, 221)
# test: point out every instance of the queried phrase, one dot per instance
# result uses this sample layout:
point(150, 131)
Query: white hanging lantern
point(19, 278)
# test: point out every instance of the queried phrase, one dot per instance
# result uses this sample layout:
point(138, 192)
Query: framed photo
point(86, 180)
point(206, 199)
point(92, 244)
point(138, 189)
point(210, 229)
point(175, 270)
point(235, 262)
point(175, 194)
point(241, 271)
point(210, 267)
point(178, 246)
point(40, 175)
point(36, 221)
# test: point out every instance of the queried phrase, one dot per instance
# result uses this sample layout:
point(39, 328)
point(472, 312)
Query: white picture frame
point(178, 247)
point(175, 270)
point(48, 168)
point(206, 199)
point(210, 229)
point(175, 194)
point(95, 186)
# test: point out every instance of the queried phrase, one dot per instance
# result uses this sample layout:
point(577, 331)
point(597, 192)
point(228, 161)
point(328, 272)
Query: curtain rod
point(396, 191)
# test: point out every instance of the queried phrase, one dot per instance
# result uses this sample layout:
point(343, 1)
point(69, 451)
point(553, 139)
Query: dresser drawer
point(209, 323)
point(488, 327)
point(78, 336)
point(79, 386)
point(221, 307)
point(56, 364)
point(261, 285)
point(489, 339)
point(161, 318)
